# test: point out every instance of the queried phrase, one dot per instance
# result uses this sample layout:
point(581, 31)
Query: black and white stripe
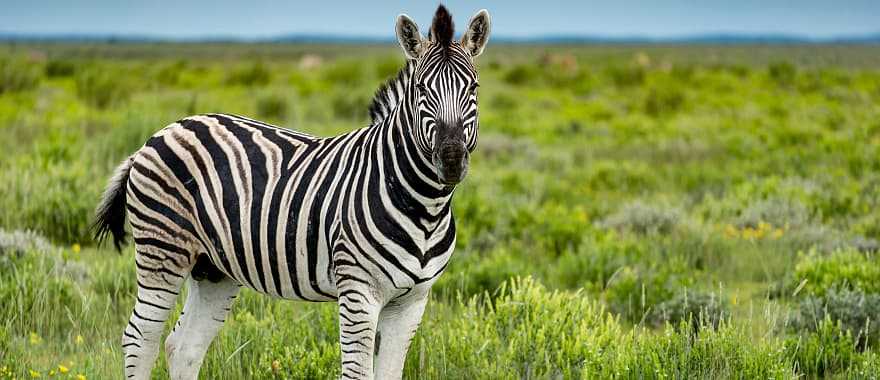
point(362, 218)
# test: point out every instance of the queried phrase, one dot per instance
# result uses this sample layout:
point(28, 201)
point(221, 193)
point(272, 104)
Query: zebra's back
point(250, 197)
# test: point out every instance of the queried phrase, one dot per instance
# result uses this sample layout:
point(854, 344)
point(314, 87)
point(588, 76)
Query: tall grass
point(637, 212)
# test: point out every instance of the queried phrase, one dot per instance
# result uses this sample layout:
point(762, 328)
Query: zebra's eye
point(474, 86)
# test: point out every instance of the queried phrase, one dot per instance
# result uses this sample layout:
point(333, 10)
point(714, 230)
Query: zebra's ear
point(477, 34)
point(409, 37)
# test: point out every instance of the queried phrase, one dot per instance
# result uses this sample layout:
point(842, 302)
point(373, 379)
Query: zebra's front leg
point(398, 323)
point(358, 315)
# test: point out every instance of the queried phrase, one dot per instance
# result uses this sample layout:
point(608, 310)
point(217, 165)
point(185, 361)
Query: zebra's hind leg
point(159, 279)
point(208, 302)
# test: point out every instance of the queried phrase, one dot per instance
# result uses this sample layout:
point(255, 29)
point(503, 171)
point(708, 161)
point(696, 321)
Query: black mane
point(442, 28)
point(390, 94)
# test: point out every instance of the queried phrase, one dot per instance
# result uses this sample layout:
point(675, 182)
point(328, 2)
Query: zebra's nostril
point(451, 153)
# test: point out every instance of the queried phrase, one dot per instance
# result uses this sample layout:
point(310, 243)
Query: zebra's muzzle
point(451, 160)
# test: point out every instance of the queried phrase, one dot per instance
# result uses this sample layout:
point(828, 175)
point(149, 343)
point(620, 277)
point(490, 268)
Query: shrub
point(697, 309)
point(504, 102)
point(853, 311)
point(347, 75)
point(272, 106)
point(843, 269)
point(16, 243)
point(633, 292)
point(387, 68)
point(482, 274)
point(782, 73)
point(57, 200)
point(34, 284)
point(626, 75)
point(776, 211)
point(818, 237)
point(826, 350)
point(599, 260)
point(58, 68)
point(643, 218)
point(682, 72)
point(553, 227)
point(17, 75)
point(255, 74)
point(100, 88)
point(663, 100)
point(169, 73)
point(349, 105)
point(522, 74)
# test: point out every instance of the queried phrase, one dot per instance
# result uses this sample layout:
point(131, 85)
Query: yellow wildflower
point(76, 248)
point(730, 231)
point(80, 377)
point(51, 372)
point(62, 368)
point(35, 339)
point(34, 374)
point(582, 215)
point(79, 340)
point(777, 233)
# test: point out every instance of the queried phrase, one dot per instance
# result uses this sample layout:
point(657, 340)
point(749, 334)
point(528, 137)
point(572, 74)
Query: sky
point(375, 19)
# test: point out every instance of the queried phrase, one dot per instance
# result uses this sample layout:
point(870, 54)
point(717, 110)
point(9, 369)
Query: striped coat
point(223, 201)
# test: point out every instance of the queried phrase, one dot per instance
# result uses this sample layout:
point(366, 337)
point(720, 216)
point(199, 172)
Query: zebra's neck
point(410, 175)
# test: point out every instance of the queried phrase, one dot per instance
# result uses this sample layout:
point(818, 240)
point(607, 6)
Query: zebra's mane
point(390, 94)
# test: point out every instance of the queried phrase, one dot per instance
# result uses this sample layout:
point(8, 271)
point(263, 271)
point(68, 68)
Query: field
point(631, 211)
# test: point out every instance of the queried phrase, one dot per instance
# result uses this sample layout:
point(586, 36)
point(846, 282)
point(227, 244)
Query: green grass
point(631, 212)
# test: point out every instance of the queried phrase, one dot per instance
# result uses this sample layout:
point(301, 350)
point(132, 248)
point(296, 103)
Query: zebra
point(221, 201)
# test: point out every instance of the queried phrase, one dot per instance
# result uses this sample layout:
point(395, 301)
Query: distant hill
point(709, 38)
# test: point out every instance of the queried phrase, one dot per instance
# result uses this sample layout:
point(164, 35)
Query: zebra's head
point(445, 89)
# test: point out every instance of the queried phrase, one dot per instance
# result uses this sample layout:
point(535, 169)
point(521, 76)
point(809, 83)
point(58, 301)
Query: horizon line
point(707, 37)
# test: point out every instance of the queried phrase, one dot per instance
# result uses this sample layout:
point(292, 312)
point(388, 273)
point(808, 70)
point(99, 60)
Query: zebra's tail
point(110, 214)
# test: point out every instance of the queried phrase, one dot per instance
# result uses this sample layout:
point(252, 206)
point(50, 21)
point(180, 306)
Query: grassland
point(631, 211)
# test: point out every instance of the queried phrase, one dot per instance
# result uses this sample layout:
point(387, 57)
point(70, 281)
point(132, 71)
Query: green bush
point(59, 68)
point(17, 243)
point(56, 200)
point(17, 75)
point(776, 211)
point(482, 275)
point(346, 75)
point(843, 269)
point(169, 73)
point(682, 72)
point(633, 292)
point(782, 73)
point(624, 76)
point(643, 218)
point(522, 74)
point(102, 88)
point(597, 261)
point(349, 105)
point(272, 107)
point(853, 311)
point(255, 74)
point(663, 100)
point(698, 309)
point(829, 349)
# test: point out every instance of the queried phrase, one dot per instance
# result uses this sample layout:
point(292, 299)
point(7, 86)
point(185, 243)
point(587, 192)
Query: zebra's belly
point(285, 274)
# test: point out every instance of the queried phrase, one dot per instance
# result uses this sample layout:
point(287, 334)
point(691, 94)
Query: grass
point(631, 212)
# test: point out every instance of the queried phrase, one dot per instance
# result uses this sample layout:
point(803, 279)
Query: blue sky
point(511, 18)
